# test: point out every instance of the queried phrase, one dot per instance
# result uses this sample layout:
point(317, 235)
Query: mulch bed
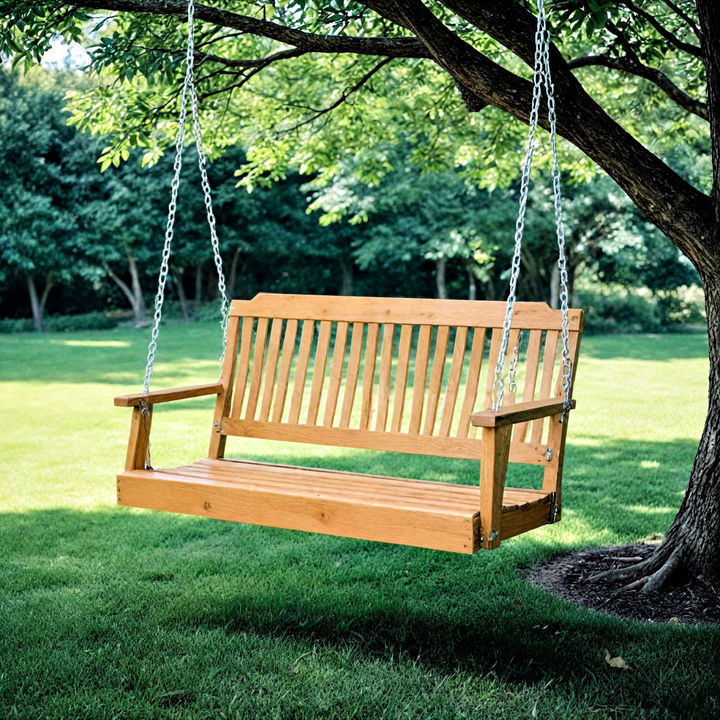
point(690, 601)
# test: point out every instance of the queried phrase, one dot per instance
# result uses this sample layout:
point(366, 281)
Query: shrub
point(61, 323)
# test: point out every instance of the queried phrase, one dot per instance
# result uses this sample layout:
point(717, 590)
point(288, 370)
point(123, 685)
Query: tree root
point(649, 575)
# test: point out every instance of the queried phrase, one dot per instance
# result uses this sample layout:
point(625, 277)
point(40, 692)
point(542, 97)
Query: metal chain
point(541, 77)
point(539, 70)
point(559, 226)
point(188, 91)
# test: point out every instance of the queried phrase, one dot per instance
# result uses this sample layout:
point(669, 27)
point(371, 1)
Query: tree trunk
point(198, 285)
point(232, 276)
point(691, 544)
point(441, 278)
point(472, 282)
point(177, 277)
point(138, 302)
point(347, 267)
point(555, 287)
point(37, 308)
point(696, 528)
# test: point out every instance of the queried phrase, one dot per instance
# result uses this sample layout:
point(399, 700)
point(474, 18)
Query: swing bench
point(386, 374)
point(359, 365)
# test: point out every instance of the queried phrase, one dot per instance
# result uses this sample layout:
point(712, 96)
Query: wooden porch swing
point(345, 371)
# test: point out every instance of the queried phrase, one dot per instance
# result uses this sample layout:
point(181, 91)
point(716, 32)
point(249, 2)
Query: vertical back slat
point(368, 380)
point(451, 391)
point(243, 365)
point(386, 356)
point(551, 343)
point(318, 377)
point(353, 368)
point(436, 378)
point(495, 341)
point(257, 367)
point(273, 353)
point(420, 377)
point(531, 371)
point(513, 340)
point(336, 368)
point(471, 383)
point(306, 340)
point(288, 352)
point(401, 373)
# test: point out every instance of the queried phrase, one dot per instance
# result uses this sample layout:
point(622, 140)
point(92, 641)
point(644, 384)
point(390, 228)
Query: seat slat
point(318, 377)
point(257, 368)
point(301, 366)
point(451, 391)
point(368, 375)
point(386, 357)
point(288, 352)
point(353, 369)
point(436, 378)
point(401, 375)
point(336, 368)
point(419, 378)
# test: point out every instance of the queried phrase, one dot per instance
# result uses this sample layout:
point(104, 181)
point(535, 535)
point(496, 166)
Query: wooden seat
point(437, 515)
point(292, 372)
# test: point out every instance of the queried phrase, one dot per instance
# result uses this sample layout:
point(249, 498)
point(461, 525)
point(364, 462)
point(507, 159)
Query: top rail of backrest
point(404, 311)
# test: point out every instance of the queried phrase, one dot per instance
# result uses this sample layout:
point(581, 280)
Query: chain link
point(539, 69)
point(188, 92)
point(541, 79)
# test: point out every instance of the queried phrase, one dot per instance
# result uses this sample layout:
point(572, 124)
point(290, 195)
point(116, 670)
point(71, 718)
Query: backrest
point(385, 373)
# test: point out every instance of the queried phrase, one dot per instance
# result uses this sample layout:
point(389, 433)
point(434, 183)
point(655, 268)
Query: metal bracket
point(494, 535)
point(554, 509)
point(548, 454)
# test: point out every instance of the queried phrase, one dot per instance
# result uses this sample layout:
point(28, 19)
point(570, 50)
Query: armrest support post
point(139, 443)
point(493, 467)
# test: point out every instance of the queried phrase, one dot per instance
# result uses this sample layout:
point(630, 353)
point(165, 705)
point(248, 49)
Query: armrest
point(161, 396)
point(520, 412)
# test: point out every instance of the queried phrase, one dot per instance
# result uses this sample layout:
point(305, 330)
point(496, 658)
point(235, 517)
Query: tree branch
point(309, 42)
point(657, 77)
point(651, 20)
point(681, 211)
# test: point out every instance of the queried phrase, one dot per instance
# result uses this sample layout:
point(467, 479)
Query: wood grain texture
point(353, 369)
point(243, 365)
point(436, 378)
point(419, 378)
point(401, 376)
point(383, 393)
point(441, 516)
point(257, 368)
point(288, 352)
point(451, 391)
point(336, 370)
point(161, 396)
point(493, 469)
point(368, 381)
point(318, 377)
point(301, 366)
point(402, 311)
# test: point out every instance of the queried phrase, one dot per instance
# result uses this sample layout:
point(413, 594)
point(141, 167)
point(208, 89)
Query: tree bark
point(177, 277)
point(138, 302)
point(441, 278)
point(696, 528)
point(232, 275)
point(555, 287)
point(198, 285)
point(472, 281)
point(37, 309)
point(346, 268)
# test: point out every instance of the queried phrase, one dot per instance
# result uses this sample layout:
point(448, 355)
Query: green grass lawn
point(107, 612)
